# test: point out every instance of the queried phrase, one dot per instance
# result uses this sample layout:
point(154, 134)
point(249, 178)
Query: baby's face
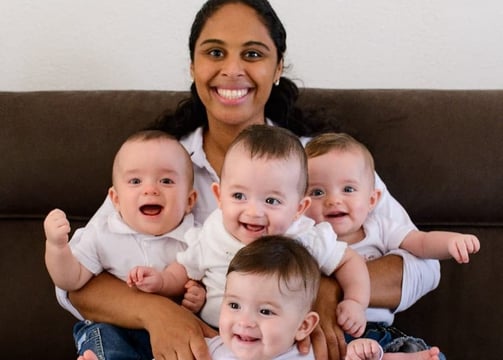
point(152, 189)
point(260, 324)
point(259, 196)
point(341, 189)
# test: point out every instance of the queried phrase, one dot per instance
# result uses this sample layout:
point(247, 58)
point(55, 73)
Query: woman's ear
point(279, 70)
point(192, 71)
point(307, 325)
point(215, 188)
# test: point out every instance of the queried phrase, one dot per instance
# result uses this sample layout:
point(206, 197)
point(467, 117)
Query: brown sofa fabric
point(437, 151)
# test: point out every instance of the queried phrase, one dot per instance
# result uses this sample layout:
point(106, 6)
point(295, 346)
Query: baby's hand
point(194, 296)
point(351, 317)
point(145, 278)
point(364, 349)
point(57, 228)
point(460, 245)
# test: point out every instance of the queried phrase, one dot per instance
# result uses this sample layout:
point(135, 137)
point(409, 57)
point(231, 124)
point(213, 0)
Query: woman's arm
point(385, 281)
point(175, 333)
point(399, 279)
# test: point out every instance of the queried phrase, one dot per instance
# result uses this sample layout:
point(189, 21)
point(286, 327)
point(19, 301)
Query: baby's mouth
point(245, 338)
point(337, 214)
point(253, 228)
point(151, 209)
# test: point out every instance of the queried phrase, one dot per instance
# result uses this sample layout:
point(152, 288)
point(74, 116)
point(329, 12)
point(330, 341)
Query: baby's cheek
point(314, 212)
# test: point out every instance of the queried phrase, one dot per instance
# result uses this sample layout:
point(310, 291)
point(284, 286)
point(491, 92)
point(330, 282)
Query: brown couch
point(438, 152)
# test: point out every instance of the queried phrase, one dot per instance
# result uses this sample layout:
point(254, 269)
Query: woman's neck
point(216, 142)
point(215, 148)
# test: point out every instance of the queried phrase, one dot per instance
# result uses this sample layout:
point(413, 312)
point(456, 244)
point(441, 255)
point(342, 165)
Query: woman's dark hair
point(280, 107)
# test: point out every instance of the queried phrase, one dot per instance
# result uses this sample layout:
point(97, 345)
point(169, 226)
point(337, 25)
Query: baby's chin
point(151, 230)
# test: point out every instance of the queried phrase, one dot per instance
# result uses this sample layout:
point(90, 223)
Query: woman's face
point(235, 66)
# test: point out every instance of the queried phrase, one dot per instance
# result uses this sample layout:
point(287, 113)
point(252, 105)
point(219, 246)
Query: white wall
point(142, 44)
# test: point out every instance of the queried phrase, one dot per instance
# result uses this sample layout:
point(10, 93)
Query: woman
point(236, 50)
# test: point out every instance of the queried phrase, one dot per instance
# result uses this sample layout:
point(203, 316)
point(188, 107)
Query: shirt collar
point(117, 225)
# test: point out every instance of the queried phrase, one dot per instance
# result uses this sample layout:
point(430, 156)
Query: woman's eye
point(167, 181)
point(272, 201)
point(216, 53)
point(238, 196)
point(252, 55)
point(135, 181)
point(316, 193)
point(349, 189)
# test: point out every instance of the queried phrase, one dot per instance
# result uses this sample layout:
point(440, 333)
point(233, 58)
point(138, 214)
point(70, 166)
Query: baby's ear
point(375, 196)
point(307, 326)
point(304, 204)
point(215, 188)
point(112, 193)
point(191, 201)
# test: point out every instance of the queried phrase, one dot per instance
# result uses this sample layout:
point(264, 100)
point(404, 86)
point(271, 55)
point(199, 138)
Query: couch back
point(436, 150)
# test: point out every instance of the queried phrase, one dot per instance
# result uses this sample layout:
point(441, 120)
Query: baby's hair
point(152, 134)
point(343, 142)
point(282, 257)
point(273, 142)
point(149, 135)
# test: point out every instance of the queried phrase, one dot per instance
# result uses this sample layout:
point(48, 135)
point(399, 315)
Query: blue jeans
point(111, 342)
point(393, 340)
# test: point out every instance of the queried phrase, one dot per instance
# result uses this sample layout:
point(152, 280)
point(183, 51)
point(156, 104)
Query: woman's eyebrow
point(248, 43)
point(212, 41)
point(257, 43)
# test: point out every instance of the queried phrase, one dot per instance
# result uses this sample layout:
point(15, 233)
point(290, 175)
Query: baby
point(153, 194)
point(343, 194)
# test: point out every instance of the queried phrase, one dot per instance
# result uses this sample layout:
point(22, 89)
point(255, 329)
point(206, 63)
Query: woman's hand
point(175, 333)
point(329, 296)
point(179, 335)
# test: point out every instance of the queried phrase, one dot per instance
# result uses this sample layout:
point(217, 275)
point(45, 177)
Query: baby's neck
point(352, 238)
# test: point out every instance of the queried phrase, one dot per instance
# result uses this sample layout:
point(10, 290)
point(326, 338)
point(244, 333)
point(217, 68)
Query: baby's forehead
point(167, 153)
point(243, 152)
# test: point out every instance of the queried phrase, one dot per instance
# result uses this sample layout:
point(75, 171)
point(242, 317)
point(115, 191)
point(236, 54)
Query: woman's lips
point(232, 94)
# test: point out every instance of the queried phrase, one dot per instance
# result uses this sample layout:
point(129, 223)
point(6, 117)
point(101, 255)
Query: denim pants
point(111, 342)
point(393, 340)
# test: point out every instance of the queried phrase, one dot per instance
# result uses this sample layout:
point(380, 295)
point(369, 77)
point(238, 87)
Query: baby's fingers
point(135, 275)
point(473, 244)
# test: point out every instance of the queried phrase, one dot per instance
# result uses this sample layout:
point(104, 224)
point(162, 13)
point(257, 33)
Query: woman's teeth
point(232, 94)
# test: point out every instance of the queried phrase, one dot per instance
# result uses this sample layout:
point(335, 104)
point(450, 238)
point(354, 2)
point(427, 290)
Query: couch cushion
point(58, 147)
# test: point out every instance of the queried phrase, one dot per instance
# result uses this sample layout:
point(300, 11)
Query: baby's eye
point(349, 189)
point(234, 305)
point(316, 193)
point(272, 201)
point(167, 181)
point(238, 196)
point(266, 312)
point(134, 181)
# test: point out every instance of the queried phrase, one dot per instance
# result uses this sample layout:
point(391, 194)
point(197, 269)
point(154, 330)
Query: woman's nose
point(232, 66)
